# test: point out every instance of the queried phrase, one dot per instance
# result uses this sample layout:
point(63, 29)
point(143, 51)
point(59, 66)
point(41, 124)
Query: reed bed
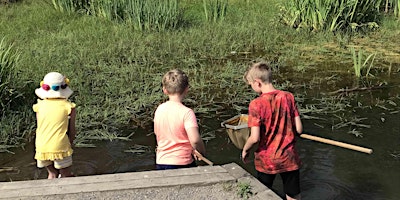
point(393, 6)
point(9, 58)
point(331, 15)
point(142, 15)
point(16, 129)
point(215, 10)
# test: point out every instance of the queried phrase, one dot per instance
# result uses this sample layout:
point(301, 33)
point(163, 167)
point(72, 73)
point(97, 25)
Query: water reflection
point(318, 178)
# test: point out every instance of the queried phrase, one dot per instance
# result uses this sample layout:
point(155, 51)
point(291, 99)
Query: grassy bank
point(116, 70)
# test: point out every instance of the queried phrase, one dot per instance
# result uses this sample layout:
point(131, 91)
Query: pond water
point(328, 172)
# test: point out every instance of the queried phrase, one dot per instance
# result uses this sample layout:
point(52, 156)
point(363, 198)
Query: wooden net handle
point(198, 154)
point(337, 143)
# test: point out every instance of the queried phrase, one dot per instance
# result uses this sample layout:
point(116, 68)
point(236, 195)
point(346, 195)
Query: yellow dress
point(52, 142)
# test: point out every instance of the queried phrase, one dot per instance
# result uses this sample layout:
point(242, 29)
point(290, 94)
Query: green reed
point(359, 63)
point(16, 129)
point(396, 8)
point(9, 58)
point(215, 10)
point(70, 6)
point(142, 15)
point(330, 15)
point(393, 6)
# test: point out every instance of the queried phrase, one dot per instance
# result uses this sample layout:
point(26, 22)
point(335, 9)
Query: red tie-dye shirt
point(274, 113)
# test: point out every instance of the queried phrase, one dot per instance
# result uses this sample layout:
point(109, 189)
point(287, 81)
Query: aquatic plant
point(139, 149)
point(142, 15)
point(393, 6)
point(16, 129)
point(359, 63)
point(330, 15)
point(215, 10)
point(9, 58)
point(70, 6)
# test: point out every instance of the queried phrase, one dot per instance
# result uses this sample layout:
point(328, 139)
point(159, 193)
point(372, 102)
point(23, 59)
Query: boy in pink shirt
point(175, 125)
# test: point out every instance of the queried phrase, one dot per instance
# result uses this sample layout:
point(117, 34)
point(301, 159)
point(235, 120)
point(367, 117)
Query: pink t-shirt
point(171, 120)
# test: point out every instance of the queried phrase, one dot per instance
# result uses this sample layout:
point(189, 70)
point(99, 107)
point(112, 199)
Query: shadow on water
point(328, 172)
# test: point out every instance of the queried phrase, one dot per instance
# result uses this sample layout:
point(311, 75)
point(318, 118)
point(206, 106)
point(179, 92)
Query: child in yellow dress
point(55, 117)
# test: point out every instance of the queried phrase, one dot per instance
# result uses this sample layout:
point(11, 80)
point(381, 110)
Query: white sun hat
point(54, 85)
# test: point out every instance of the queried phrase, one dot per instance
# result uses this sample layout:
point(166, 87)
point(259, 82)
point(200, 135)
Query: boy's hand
point(244, 156)
point(196, 157)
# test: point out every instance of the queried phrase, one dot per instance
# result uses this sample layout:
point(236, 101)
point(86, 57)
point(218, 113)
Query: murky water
point(328, 172)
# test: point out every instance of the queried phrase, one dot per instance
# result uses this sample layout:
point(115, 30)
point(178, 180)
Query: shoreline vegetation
point(115, 58)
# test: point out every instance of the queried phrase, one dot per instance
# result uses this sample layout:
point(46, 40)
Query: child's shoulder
point(287, 93)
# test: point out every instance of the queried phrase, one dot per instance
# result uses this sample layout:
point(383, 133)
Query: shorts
point(58, 164)
point(290, 179)
point(164, 167)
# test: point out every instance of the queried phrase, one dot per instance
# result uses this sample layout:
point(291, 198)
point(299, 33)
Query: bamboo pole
point(198, 154)
point(336, 143)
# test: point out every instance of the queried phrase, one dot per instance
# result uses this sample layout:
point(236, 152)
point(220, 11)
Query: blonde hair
point(175, 81)
point(260, 70)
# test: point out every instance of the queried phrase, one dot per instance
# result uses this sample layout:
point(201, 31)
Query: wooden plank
point(113, 177)
point(118, 184)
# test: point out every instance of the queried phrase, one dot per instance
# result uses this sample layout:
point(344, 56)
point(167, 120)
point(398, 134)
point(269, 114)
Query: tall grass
point(393, 6)
point(141, 14)
point(70, 6)
point(9, 58)
point(16, 129)
point(331, 15)
point(359, 63)
point(396, 8)
point(215, 10)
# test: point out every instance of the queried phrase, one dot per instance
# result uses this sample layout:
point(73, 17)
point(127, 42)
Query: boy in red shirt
point(274, 122)
point(175, 125)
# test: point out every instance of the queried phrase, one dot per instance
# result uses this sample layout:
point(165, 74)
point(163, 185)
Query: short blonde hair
point(175, 81)
point(260, 70)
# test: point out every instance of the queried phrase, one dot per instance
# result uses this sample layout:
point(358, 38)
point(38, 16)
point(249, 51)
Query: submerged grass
point(116, 71)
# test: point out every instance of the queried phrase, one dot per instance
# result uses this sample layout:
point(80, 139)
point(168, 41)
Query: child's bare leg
point(53, 172)
point(66, 172)
point(297, 197)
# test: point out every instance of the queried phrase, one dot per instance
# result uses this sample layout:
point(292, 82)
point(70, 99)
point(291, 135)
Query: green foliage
point(359, 63)
point(393, 7)
point(215, 10)
point(244, 190)
point(142, 15)
point(331, 15)
point(16, 128)
point(70, 6)
point(8, 60)
point(396, 8)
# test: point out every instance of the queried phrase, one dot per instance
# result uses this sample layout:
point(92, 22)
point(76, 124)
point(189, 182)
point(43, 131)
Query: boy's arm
point(71, 126)
point(251, 141)
point(299, 125)
point(195, 139)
